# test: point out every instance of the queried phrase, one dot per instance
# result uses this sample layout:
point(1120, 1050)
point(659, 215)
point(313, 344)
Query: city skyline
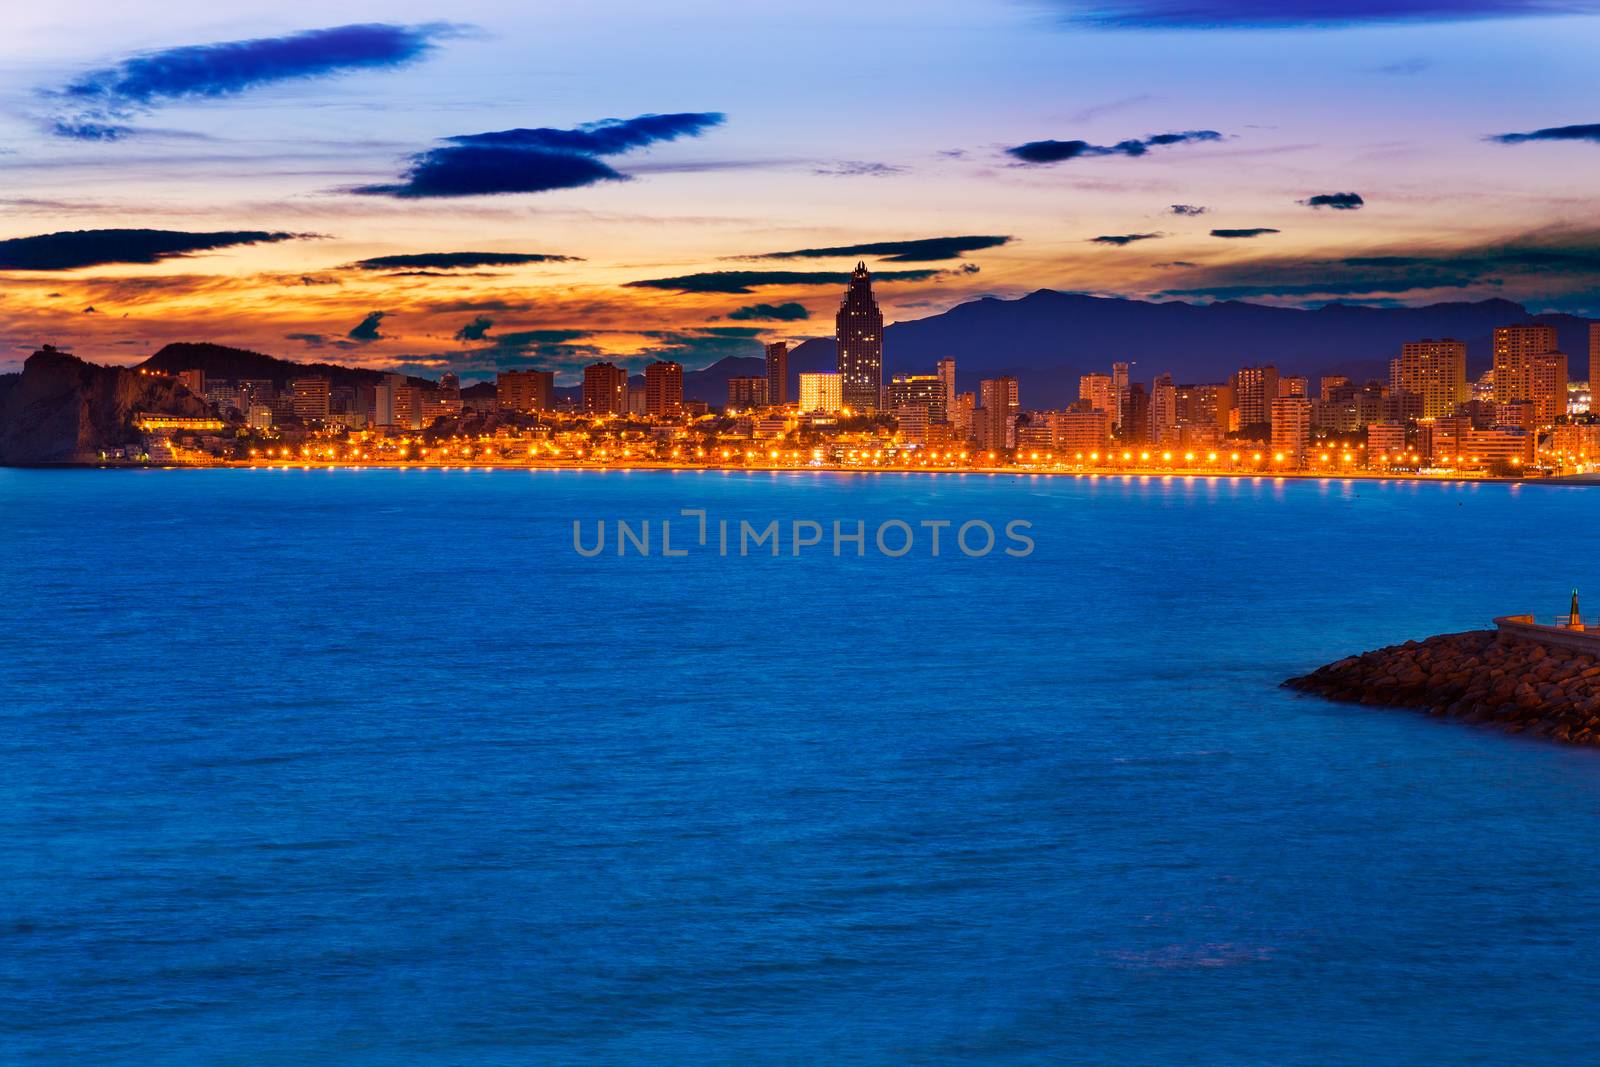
point(1063, 156)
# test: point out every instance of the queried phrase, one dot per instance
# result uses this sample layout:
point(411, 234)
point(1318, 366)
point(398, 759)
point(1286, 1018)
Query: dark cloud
point(745, 281)
point(457, 260)
point(1121, 239)
point(367, 329)
point(536, 160)
point(926, 250)
point(1191, 14)
point(1540, 268)
point(1253, 231)
point(1587, 132)
point(97, 105)
point(310, 340)
point(476, 330)
point(790, 312)
point(1336, 201)
point(1060, 151)
point(1190, 210)
point(89, 248)
point(607, 137)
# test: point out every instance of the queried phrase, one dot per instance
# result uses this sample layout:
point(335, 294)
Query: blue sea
point(309, 767)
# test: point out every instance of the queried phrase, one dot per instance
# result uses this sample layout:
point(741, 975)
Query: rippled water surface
point(370, 767)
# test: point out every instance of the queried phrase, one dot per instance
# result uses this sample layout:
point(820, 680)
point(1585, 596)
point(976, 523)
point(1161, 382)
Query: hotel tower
point(859, 332)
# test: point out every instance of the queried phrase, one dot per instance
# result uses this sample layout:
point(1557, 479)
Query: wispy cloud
point(1061, 151)
point(855, 168)
point(746, 281)
point(97, 105)
point(70, 249)
point(536, 160)
point(922, 250)
point(1189, 210)
point(1268, 14)
point(1121, 239)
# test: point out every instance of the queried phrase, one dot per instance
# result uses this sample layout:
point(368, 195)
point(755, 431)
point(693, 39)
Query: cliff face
point(64, 410)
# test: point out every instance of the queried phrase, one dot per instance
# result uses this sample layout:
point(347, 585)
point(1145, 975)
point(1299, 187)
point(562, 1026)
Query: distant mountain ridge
point(1048, 338)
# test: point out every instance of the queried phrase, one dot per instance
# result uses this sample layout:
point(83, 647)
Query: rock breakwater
point(1479, 676)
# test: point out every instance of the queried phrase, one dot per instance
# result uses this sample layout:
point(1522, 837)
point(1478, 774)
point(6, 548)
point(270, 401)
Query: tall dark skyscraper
point(778, 373)
point(859, 332)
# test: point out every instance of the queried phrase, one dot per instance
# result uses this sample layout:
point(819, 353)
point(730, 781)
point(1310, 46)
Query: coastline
point(1578, 481)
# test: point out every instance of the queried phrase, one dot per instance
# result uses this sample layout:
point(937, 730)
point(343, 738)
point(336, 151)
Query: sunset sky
point(321, 172)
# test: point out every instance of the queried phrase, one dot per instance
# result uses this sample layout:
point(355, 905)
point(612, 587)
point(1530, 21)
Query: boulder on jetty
point(1479, 676)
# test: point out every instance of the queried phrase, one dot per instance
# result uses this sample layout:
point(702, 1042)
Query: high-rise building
point(961, 416)
point(1136, 414)
point(1163, 410)
point(747, 393)
point(310, 397)
point(1547, 387)
point(1291, 427)
point(1436, 371)
point(1594, 364)
point(1099, 392)
point(1075, 432)
point(1515, 348)
point(1292, 385)
point(778, 373)
point(525, 390)
point(925, 389)
point(663, 389)
point(605, 389)
point(1331, 386)
point(859, 335)
point(1254, 390)
point(912, 420)
point(1119, 394)
point(947, 374)
point(194, 381)
point(997, 429)
point(821, 392)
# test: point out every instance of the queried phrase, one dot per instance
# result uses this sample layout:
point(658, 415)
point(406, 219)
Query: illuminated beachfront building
point(663, 389)
point(928, 390)
point(946, 371)
point(821, 392)
point(605, 389)
point(1098, 391)
point(525, 390)
point(859, 335)
point(747, 393)
point(1528, 365)
point(1254, 390)
point(994, 423)
point(1291, 427)
point(310, 397)
point(1385, 439)
point(1436, 371)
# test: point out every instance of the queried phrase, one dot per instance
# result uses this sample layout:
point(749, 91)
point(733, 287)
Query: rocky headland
point(1480, 676)
point(61, 409)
